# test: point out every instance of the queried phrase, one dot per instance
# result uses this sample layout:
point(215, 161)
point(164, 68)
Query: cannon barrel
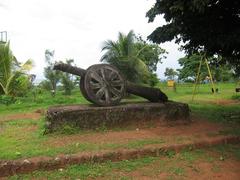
point(102, 84)
point(152, 94)
point(70, 69)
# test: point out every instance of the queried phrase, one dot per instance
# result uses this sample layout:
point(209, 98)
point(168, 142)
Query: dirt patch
point(227, 102)
point(224, 102)
point(33, 115)
point(195, 130)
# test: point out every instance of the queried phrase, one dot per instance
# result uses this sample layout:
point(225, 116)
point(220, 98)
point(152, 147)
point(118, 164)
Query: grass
point(24, 138)
point(175, 167)
point(183, 94)
point(43, 101)
point(90, 170)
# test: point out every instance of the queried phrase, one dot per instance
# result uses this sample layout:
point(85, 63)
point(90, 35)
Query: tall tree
point(135, 58)
point(170, 73)
point(53, 77)
point(67, 80)
point(190, 65)
point(14, 79)
point(212, 26)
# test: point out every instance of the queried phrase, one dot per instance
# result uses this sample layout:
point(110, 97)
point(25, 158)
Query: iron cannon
point(104, 85)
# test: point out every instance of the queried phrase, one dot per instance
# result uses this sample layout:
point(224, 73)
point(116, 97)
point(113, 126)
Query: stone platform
point(92, 117)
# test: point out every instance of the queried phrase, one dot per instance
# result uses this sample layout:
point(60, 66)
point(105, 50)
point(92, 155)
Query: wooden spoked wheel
point(104, 85)
point(83, 90)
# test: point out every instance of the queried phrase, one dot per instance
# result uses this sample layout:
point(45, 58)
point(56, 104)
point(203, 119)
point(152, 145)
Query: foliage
point(151, 54)
point(13, 75)
point(67, 80)
point(135, 58)
point(170, 73)
point(190, 65)
point(211, 26)
point(46, 85)
point(153, 80)
point(6, 100)
point(52, 77)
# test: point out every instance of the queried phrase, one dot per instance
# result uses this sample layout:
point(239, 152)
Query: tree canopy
point(190, 65)
point(170, 73)
point(52, 77)
point(212, 26)
point(134, 57)
point(67, 79)
point(14, 79)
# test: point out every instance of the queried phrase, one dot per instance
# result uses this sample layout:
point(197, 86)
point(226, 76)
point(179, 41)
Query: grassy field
point(23, 138)
point(183, 94)
point(205, 103)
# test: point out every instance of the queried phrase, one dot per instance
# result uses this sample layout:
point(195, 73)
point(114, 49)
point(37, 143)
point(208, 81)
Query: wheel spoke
point(107, 97)
point(113, 75)
point(100, 93)
point(115, 91)
point(95, 85)
point(103, 73)
point(116, 83)
point(96, 77)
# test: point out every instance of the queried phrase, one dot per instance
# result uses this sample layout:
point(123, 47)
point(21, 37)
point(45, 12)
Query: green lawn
point(24, 138)
point(183, 94)
point(42, 101)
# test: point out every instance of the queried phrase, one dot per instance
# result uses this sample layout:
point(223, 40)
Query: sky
point(76, 29)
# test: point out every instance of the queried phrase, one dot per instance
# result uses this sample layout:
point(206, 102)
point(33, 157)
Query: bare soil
point(198, 129)
point(19, 116)
point(228, 169)
point(224, 102)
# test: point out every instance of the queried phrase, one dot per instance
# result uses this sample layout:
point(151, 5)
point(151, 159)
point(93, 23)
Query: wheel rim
point(83, 89)
point(104, 85)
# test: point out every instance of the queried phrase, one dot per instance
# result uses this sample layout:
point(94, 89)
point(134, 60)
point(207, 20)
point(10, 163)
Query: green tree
point(170, 73)
point(14, 79)
point(135, 58)
point(211, 26)
point(190, 65)
point(52, 77)
point(67, 80)
point(151, 54)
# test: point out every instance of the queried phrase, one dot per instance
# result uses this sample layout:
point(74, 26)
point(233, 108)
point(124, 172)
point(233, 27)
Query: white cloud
point(75, 28)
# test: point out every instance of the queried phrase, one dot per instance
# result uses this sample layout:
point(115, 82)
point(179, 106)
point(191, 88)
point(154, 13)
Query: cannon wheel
point(83, 90)
point(104, 85)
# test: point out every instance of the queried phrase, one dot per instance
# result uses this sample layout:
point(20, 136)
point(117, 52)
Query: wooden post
point(197, 78)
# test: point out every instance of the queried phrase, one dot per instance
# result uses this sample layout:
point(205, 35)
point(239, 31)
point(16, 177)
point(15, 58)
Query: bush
point(236, 97)
point(6, 100)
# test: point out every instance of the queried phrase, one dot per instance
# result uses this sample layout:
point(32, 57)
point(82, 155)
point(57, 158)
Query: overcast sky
point(75, 29)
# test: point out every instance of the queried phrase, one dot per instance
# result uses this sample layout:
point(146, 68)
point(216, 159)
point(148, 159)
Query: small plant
point(67, 129)
point(170, 154)
point(7, 100)
point(236, 97)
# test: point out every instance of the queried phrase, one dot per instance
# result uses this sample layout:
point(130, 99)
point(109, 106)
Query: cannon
point(104, 85)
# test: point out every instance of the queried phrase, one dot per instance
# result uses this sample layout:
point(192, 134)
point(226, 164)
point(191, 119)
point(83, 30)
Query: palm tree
point(11, 71)
point(124, 55)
